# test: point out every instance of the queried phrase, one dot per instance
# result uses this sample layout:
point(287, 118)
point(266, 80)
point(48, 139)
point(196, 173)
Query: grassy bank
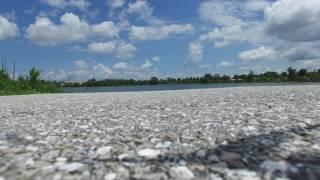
point(30, 84)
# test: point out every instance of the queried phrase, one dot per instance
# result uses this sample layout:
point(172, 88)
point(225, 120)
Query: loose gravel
point(231, 133)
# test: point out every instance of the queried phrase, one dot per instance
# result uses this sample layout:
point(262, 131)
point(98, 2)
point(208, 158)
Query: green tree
point(34, 75)
point(292, 73)
point(154, 81)
point(250, 77)
point(302, 72)
point(207, 78)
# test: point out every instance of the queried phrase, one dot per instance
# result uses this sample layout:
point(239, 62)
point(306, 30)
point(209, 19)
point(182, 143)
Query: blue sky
point(76, 40)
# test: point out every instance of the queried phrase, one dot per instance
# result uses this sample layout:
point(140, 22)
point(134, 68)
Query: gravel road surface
point(229, 133)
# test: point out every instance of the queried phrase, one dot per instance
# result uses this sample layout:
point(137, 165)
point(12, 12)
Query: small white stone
point(165, 144)
point(48, 169)
point(32, 148)
point(2, 178)
point(84, 127)
point(242, 175)
point(123, 156)
point(110, 176)
point(61, 159)
point(104, 150)
point(29, 138)
point(149, 153)
point(57, 177)
point(181, 173)
point(29, 162)
point(72, 167)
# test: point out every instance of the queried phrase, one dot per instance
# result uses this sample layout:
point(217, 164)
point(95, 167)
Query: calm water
point(163, 87)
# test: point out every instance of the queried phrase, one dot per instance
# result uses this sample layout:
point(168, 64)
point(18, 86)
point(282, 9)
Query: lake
point(165, 87)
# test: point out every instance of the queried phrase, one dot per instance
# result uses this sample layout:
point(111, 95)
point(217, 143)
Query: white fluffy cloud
point(224, 36)
point(115, 3)
point(140, 7)
point(7, 29)
point(122, 49)
point(125, 50)
point(226, 64)
point(282, 34)
point(101, 71)
point(257, 5)
point(80, 4)
point(81, 64)
point(223, 13)
point(84, 70)
point(300, 54)
point(159, 33)
point(71, 29)
point(147, 64)
point(140, 10)
point(234, 22)
point(105, 29)
point(195, 52)
point(261, 53)
point(102, 47)
point(81, 72)
point(155, 59)
point(121, 66)
point(294, 20)
point(296, 53)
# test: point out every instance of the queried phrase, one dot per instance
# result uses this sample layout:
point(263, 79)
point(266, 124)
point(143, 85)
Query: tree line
point(291, 75)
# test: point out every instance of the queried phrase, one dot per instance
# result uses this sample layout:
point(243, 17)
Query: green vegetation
point(291, 75)
point(30, 84)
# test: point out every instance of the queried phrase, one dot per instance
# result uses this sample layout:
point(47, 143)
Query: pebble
point(110, 176)
point(213, 158)
point(149, 154)
point(201, 154)
point(61, 159)
point(242, 175)
point(231, 158)
point(29, 162)
point(104, 150)
point(181, 173)
point(32, 148)
point(72, 167)
point(57, 177)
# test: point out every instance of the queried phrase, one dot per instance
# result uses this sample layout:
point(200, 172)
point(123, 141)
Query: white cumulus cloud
point(82, 71)
point(115, 3)
point(261, 53)
point(71, 29)
point(195, 52)
point(140, 7)
point(121, 66)
point(226, 64)
point(159, 33)
point(147, 64)
point(125, 50)
point(221, 12)
point(294, 20)
point(257, 5)
point(122, 49)
point(8, 29)
point(102, 47)
point(80, 4)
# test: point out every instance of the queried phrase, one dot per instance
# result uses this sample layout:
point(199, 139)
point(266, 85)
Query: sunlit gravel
point(227, 133)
